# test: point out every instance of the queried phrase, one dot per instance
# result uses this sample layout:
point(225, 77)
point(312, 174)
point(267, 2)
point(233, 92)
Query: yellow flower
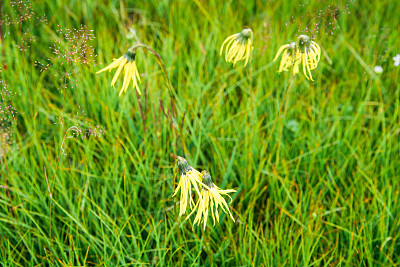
point(238, 46)
point(290, 57)
point(127, 62)
point(310, 54)
point(212, 200)
point(189, 177)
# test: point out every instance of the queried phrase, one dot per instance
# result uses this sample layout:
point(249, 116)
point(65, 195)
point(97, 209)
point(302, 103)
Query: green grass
point(317, 185)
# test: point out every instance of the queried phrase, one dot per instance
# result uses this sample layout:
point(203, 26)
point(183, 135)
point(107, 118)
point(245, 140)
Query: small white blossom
point(396, 60)
point(378, 69)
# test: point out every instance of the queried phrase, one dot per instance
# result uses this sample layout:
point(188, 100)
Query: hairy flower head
point(189, 177)
point(128, 63)
point(238, 47)
point(212, 200)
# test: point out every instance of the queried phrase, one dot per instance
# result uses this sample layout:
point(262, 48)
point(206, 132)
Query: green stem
point(159, 61)
point(286, 99)
point(171, 90)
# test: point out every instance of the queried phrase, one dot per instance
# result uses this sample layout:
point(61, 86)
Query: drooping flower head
point(304, 51)
point(238, 47)
point(128, 63)
point(212, 200)
point(290, 57)
point(310, 54)
point(189, 177)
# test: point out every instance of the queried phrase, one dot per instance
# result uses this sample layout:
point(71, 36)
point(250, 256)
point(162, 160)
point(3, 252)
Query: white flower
point(396, 60)
point(378, 69)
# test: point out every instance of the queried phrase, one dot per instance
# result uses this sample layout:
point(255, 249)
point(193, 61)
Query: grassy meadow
point(87, 176)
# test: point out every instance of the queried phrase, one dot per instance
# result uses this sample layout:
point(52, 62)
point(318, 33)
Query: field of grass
point(87, 177)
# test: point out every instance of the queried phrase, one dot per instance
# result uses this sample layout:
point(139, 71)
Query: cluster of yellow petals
point(130, 69)
point(189, 178)
point(307, 53)
point(290, 57)
point(310, 58)
point(238, 47)
point(211, 200)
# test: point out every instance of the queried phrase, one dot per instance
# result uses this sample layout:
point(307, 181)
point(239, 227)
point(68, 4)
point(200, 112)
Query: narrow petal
point(121, 65)
point(304, 58)
point(212, 209)
point(280, 51)
point(231, 52)
point(177, 189)
point(226, 40)
point(206, 209)
point(193, 210)
point(240, 54)
point(284, 61)
point(126, 80)
point(112, 65)
point(137, 72)
point(318, 48)
point(136, 77)
point(248, 52)
point(306, 64)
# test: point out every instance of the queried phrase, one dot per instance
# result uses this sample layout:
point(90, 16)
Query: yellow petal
point(126, 80)
point(112, 65)
point(226, 40)
point(232, 45)
point(248, 51)
point(280, 51)
point(121, 65)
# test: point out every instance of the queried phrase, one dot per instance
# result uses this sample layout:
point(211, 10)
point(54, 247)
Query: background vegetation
point(317, 184)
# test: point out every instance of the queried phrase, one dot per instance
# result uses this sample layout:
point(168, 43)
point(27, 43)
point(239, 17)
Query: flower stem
point(286, 99)
point(171, 90)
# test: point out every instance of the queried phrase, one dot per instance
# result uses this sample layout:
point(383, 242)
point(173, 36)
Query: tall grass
point(317, 185)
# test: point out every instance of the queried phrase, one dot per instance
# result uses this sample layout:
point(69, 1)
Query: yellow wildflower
point(310, 54)
point(189, 177)
point(290, 57)
point(238, 46)
point(211, 200)
point(127, 61)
